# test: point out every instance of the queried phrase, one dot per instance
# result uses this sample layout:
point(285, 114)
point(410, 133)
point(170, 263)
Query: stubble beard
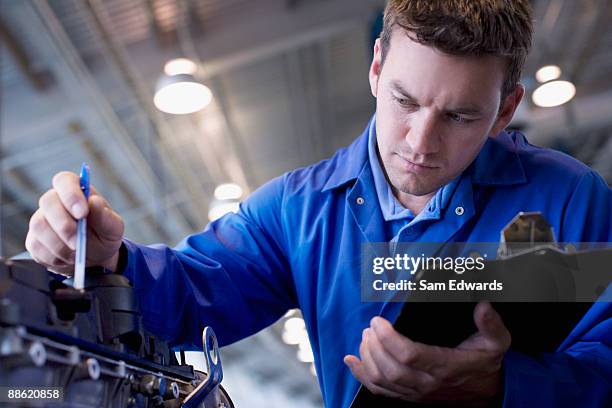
point(412, 184)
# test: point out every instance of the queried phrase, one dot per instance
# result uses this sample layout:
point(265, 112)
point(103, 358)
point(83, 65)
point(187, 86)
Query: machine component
point(92, 344)
point(215, 374)
point(526, 231)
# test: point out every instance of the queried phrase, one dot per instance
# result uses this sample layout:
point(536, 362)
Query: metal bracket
point(214, 375)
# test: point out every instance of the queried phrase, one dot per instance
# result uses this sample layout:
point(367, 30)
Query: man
point(434, 165)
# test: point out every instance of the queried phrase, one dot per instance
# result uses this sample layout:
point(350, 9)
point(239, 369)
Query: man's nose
point(423, 137)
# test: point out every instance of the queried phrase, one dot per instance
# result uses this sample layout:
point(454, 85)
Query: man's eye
point(455, 117)
point(405, 102)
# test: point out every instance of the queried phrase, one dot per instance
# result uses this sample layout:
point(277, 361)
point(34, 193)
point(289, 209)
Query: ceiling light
point(304, 353)
point(295, 324)
point(228, 191)
point(294, 331)
point(181, 94)
point(548, 73)
point(291, 313)
point(553, 93)
point(294, 338)
point(180, 66)
point(219, 208)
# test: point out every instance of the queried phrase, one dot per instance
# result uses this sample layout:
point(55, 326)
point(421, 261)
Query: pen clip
point(84, 180)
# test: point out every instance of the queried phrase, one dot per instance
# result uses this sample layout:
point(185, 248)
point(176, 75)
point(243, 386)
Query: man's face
point(434, 112)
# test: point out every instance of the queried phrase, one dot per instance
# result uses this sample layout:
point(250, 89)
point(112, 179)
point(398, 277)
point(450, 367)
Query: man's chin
point(415, 188)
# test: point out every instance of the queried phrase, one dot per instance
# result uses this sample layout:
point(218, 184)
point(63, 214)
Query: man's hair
point(466, 27)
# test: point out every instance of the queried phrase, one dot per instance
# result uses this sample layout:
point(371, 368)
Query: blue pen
point(81, 244)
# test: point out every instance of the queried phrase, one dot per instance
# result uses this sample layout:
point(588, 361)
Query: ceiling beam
point(40, 78)
point(239, 39)
point(592, 39)
point(164, 38)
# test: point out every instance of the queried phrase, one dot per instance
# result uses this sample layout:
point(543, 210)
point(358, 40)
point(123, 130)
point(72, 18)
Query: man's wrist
point(496, 391)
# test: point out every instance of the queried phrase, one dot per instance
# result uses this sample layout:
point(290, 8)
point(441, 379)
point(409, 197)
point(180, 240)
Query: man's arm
point(233, 276)
point(587, 215)
point(579, 375)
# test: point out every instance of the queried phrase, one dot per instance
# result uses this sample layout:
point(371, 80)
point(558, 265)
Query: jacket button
point(360, 200)
point(459, 210)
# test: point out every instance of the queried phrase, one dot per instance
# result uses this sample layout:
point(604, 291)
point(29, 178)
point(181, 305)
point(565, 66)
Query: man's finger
point(56, 217)
point(41, 253)
point(359, 372)
point(401, 378)
point(93, 191)
point(103, 220)
point(416, 355)
point(356, 367)
point(385, 392)
point(68, 188)
point(372, 372)
point(50, 240)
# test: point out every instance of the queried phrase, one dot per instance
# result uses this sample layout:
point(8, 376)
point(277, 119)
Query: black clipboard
point(536, 327)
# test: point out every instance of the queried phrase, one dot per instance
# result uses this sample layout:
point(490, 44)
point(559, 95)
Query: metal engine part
point(92, 345)
point(527, 230)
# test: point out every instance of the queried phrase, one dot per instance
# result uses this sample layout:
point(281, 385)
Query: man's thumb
point(490, 324)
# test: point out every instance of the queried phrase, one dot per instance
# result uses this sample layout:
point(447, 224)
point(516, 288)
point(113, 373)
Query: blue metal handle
point(215, 373)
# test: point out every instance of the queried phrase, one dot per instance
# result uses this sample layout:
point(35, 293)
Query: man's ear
point(375, 68)
point(510, 103)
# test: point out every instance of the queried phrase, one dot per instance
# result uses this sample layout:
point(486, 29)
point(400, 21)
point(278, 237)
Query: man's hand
point(51, 238)
point(392, 365)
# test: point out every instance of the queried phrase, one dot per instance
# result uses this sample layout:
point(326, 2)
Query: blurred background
point(273, 85)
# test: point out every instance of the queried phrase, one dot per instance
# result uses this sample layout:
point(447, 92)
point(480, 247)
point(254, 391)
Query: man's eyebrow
point(464, 110)
point(399, 88)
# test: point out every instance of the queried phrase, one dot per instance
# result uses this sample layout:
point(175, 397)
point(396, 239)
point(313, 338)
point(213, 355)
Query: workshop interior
point(271, 85)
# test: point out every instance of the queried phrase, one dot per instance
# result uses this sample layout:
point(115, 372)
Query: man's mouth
point(416, 167)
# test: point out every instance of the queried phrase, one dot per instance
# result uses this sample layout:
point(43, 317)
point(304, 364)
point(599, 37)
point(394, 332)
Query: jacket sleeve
point(233, 276)
point(587, 216)
point(579, 374)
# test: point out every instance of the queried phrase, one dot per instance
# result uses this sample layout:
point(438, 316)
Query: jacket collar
point(498, 162)
point(349, 162)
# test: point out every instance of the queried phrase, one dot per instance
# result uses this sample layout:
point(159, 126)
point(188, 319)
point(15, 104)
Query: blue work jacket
point(296, 243)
